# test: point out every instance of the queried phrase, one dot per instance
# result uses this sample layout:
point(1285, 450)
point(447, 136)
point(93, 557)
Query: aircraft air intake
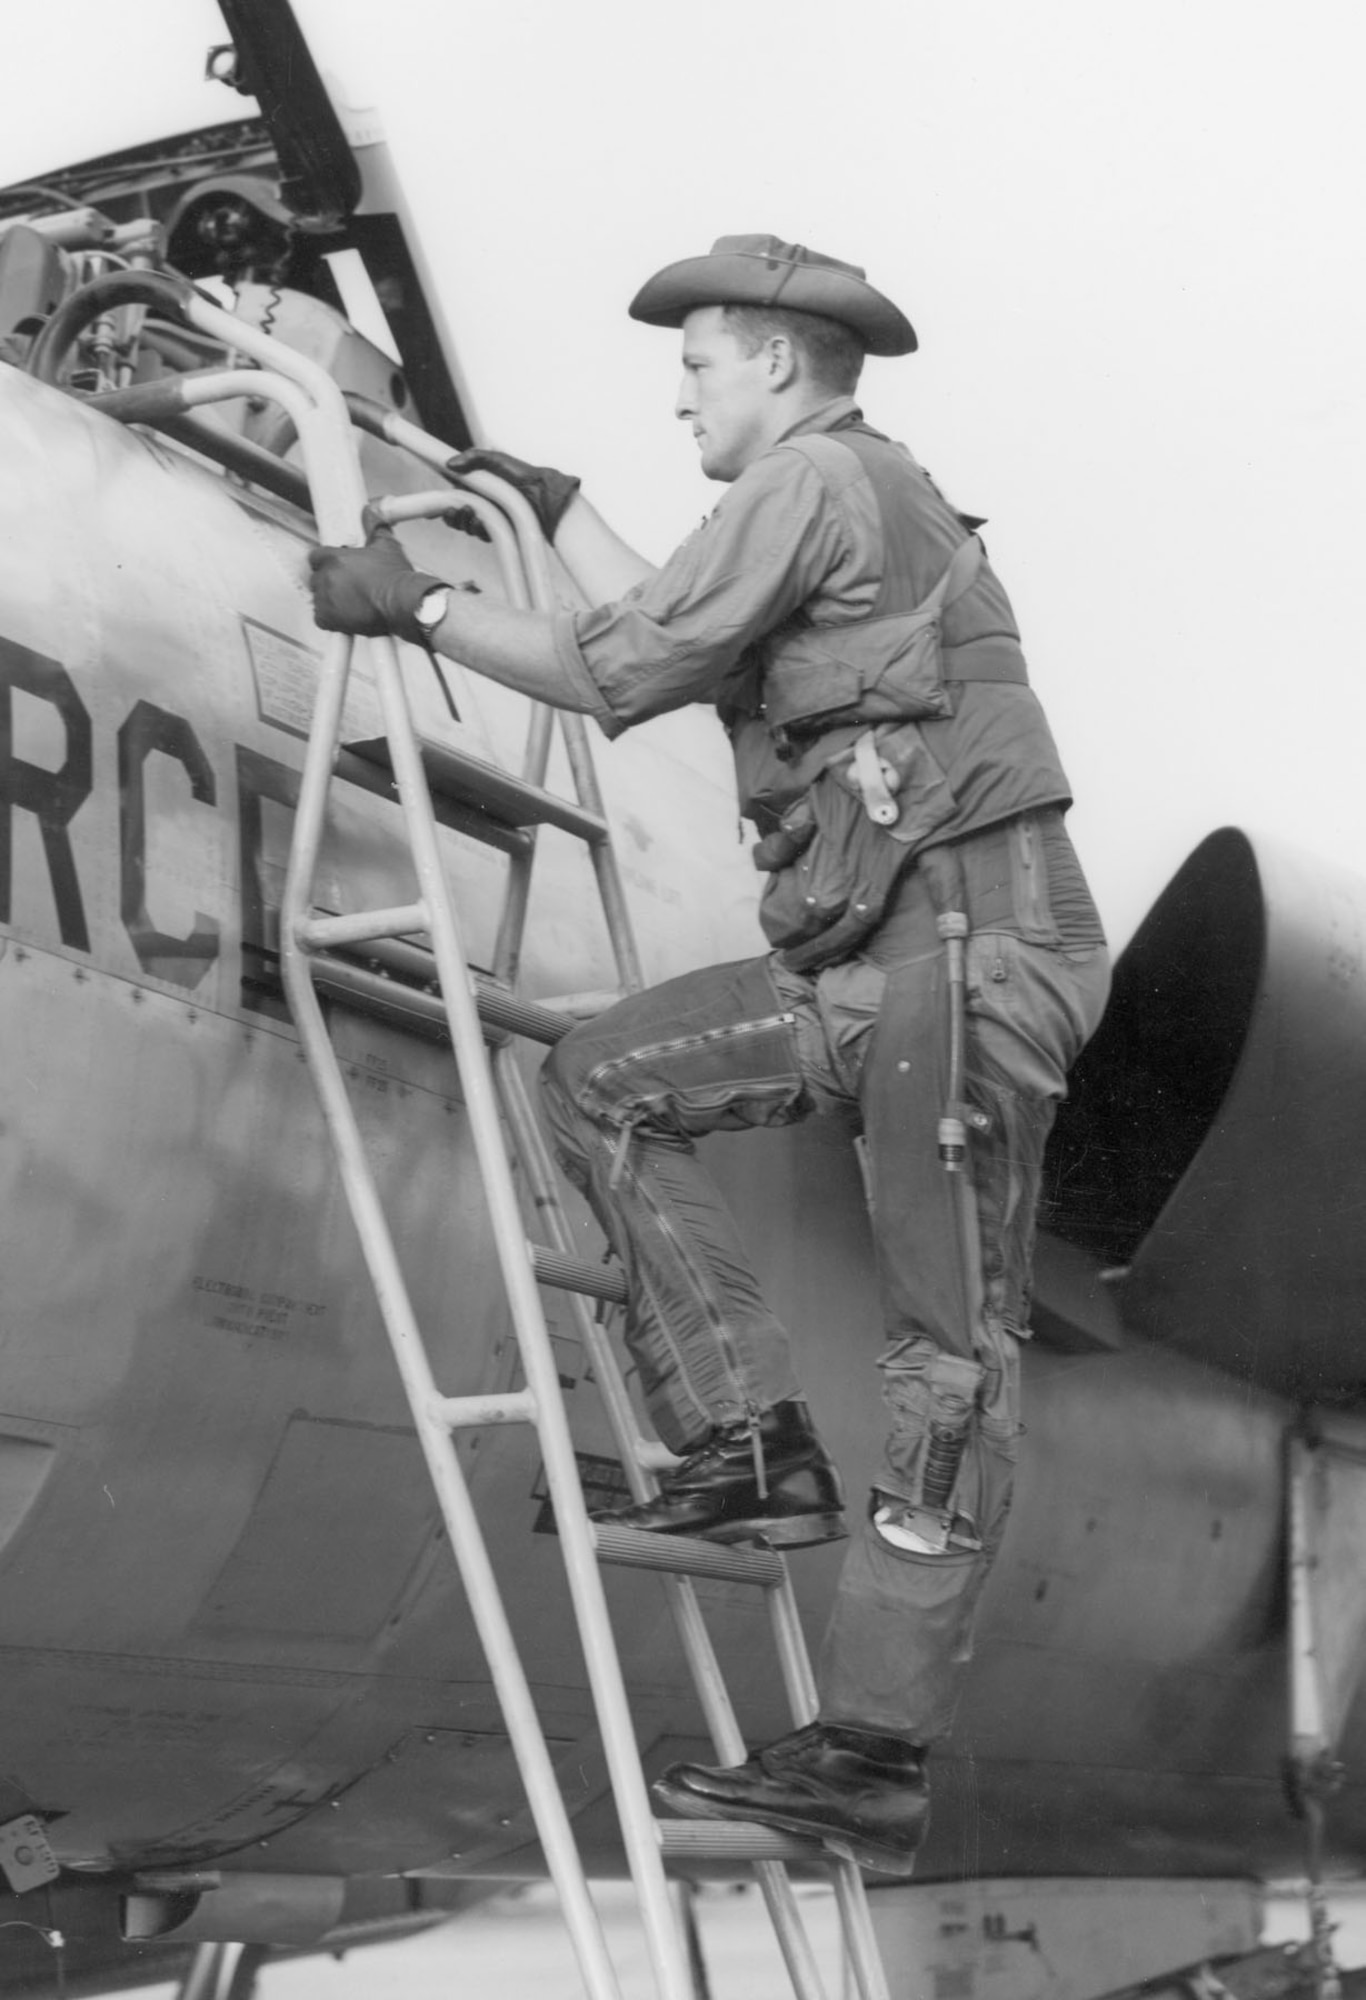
point(1210, 1149)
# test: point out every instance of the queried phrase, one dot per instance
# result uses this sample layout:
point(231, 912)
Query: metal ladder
point(314, 957)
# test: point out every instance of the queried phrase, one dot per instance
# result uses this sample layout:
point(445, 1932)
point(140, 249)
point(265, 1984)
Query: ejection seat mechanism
point(231, 234)
point(44, 259)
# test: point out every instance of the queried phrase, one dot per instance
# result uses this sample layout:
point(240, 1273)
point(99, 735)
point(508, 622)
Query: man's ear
point(784, 363)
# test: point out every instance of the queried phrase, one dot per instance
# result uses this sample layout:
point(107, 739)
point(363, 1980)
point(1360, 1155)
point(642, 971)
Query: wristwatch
point(429, 611)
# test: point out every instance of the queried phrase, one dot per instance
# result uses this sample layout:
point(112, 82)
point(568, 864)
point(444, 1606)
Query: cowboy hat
point(764, 271)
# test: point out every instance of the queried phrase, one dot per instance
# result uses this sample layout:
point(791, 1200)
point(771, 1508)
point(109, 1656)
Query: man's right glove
point(548, 492)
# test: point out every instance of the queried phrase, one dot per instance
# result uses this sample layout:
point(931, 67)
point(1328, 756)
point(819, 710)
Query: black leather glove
point(548, 491)
point(369, 591)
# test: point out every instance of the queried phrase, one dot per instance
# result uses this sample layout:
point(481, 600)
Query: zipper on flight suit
point(725, 1340)
point(627, 1123)
point(650, 1050)
point(641, 1110)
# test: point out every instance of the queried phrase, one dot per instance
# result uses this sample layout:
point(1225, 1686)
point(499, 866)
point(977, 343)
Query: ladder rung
point(536, 1020)
point(735, 1840)
point(461, 818)
point(463, 780)
point(520, 1017)
point(569, 1275)
point(460, 1413)
point(361, 927)
point(578, 1007)
point(637, 1548)
point(414, 1006)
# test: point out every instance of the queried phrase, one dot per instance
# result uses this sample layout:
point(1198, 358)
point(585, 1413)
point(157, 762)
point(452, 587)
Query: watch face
point(432, 608)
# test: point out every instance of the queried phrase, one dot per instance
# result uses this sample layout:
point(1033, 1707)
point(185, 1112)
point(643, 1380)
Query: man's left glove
point(548, 491)
point(369, 591)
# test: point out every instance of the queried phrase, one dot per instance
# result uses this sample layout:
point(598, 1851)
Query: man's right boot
point(715, 1492)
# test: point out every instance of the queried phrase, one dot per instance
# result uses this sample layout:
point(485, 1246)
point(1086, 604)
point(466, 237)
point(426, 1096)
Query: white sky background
point(1129, 235)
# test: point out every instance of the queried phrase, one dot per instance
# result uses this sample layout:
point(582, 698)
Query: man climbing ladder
point(937, 962)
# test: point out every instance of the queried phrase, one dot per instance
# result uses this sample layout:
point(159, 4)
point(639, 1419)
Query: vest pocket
point(883, 668)
point(911, 684)
point(820, 903)
point(832, 868)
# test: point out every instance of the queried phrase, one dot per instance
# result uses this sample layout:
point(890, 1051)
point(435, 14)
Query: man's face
point(725, 395)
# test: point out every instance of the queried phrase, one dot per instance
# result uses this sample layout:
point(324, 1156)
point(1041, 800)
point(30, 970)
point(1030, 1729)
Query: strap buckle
point(876, 780)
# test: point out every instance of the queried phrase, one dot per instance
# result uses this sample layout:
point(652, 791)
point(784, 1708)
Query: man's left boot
point(863, 1789)
point(715, 1492)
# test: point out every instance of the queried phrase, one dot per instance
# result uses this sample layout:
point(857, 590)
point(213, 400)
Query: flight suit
point(818, 558)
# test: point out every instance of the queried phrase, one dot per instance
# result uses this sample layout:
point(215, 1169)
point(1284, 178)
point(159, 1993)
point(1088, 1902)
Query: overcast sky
point(1129, 236)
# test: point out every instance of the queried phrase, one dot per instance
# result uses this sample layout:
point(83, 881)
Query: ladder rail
point(611, 890)
point(610, 886)
point(396, 507)
point(400, 431)
point(529, 585)
point(580, 1565)
point(393, 508)
point(507, 948)
point(544, 1199)
point(334, 479)
point(447, 1479)
point(315, 404)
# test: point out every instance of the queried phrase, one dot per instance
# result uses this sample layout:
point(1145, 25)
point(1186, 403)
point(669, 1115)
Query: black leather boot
point(865, 1790)
point(715, 1492)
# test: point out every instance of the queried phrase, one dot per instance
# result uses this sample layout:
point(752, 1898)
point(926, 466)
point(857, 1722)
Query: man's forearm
point(516, 648)
point(600, 562)
point(375, 589)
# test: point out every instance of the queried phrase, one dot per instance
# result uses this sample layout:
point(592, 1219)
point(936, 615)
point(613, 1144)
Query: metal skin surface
point(228, 1629)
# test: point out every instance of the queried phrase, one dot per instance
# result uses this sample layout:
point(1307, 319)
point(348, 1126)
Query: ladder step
point(413, 1006)
point(520, 1017)
point(599, 1281)
point(683, 1840)
point(467, 819)
point(458, 779)
point(683, 1555)
point(460, 1413)
point(360, 927)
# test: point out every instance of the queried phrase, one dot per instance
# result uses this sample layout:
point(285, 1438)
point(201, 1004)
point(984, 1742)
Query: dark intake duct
point(1214, 1142)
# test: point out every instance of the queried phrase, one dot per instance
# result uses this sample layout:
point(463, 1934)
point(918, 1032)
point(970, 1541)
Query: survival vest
point(939, 648)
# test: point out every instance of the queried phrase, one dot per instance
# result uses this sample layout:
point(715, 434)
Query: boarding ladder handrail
point(316, 407)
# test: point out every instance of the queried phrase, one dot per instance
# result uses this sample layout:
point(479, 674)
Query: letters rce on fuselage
point(54, 797)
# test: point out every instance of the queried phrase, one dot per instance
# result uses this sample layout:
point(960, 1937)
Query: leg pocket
point(951, 1448)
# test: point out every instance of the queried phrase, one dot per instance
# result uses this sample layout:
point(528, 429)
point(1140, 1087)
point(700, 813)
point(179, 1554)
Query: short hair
point(832, 351)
